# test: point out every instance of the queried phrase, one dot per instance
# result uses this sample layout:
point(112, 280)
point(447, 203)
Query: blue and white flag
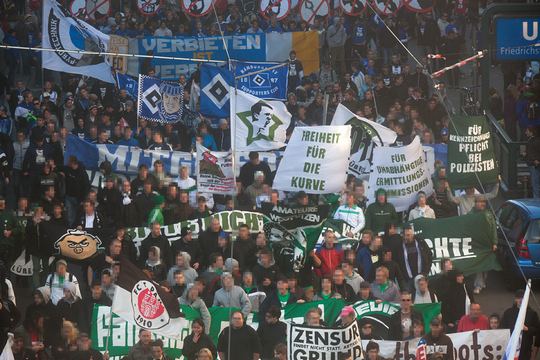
point(215, 83)
point(161, 101)
point(269, 85)
point(61, 31)
point(126, 82)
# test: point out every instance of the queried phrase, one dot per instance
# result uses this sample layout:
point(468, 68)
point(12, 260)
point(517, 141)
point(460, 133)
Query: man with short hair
point(231, 295)
point(208, 239)
point(351, 276)
point(372, 351)
point(340, 286)
point(271, 332)
point(352, 215)
point(189, 245)
point(328, 257)
point(530, 328)
point(244, 343)
point(247, 171)
point(474, 321)
point(402, 322)
point(313, 317)
point(383, 288)
point(245, 249)
point(55, 282)
point(155, 238)
point(279, 298)
point(142, 350)
point(157, 351)
point(413, 256)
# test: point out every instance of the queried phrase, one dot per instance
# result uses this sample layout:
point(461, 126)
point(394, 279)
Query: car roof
point(531, 206)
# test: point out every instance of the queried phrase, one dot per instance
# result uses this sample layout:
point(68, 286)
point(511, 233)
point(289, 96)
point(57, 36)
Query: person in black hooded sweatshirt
point(456, 300)
point(271, 332)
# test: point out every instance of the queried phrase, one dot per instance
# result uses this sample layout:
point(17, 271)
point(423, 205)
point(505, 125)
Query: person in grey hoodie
point(351, 276)
point(231, 295)
point(182, 263)
point(336, 36)
point(191, 298)
point(383, 288)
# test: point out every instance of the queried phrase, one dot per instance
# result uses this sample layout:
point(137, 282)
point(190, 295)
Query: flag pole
point(109, 330)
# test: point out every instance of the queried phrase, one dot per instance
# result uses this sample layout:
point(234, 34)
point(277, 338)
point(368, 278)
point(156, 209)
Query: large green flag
point(467, 240)
point(470, 152)
point(122, 336)
point(378, 314)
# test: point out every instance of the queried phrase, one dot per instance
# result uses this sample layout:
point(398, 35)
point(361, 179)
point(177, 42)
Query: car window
point(533, 232)
point(512, 220)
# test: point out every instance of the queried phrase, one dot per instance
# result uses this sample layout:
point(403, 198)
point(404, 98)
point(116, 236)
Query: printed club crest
point(149, 312)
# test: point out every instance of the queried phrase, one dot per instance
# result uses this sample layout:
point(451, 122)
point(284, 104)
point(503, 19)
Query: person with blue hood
point(381, 213)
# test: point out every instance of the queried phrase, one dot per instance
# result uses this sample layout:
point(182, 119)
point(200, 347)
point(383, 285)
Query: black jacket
point(191, 348)
point(193, 248)
point(425, 253)
point(443, 344)
point(208, 242)
point(77, 182)
point(396, 333)
point(247, 173)
point(110, 200)
point(273, 300)
point(271, 335)
point(162, 243)
point(454, 301)
point(245, 253)
point(531, 321)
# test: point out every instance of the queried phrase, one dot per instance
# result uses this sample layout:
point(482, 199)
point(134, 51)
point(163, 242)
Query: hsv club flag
point(142, 302)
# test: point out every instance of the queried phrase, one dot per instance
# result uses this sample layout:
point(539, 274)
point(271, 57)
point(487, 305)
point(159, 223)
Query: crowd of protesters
point(362, 68)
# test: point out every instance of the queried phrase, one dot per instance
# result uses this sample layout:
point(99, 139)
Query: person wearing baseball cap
point(56, 280)
point(445, 348)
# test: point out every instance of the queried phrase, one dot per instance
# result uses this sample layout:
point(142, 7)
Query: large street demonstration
point(269, 180)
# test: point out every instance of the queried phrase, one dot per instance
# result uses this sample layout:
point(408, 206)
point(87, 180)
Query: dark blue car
point(520, 222)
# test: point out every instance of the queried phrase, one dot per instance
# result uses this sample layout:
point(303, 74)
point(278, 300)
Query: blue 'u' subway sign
point(518, 38)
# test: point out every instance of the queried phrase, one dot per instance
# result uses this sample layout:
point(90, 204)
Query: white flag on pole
point(512, 349)
point(365, 136)
point(61, 31)
point(257, 124)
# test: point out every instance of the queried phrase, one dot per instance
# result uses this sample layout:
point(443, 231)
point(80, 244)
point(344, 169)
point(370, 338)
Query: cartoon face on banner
point(279, 8)
point(353, 7)
point(171, 100)
point(77, 245)
point(148, 7)
point(197, 7)
point(386, 7)
point(309, 9)
point(419, 6)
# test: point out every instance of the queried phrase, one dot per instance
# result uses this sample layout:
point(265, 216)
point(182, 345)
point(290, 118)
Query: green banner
point(122, 335)
point(229, 220)
point(466, 239)
point(470, 152)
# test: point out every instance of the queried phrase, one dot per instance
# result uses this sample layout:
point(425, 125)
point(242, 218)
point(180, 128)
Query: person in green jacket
point(156, 215)
point(380, 213)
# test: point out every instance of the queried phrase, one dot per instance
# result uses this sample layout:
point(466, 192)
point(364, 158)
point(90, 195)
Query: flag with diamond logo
point(161, 101)
point(257, 124)
point(215, 82)
point(264, 80)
